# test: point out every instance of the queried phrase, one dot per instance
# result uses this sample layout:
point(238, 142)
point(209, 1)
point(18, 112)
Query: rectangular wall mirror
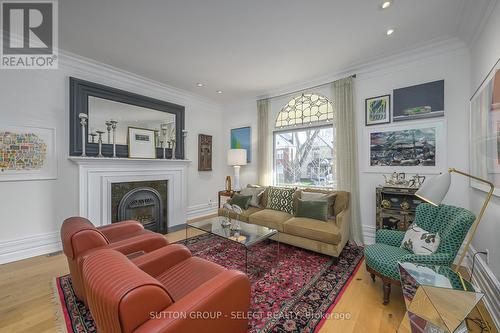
point(104, 105)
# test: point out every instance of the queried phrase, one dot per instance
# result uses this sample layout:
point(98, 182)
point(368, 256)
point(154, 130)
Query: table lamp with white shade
point(236, 158)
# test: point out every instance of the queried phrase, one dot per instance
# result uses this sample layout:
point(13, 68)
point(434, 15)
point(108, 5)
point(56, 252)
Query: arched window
point(304, 149)
point(305, 109)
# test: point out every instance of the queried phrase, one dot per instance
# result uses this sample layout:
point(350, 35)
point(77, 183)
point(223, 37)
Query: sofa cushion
point(305, 227)
point(316, 196)
point(240, 200)
point(341, 198)
point(281, 199)
point(270, 218)
point(314, 209)
point(255, 192)
point(243, 216)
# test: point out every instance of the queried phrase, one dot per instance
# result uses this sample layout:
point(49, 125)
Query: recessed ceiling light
point(219, 91)
point(389, 31)
point(199, 85)
point(386, 4)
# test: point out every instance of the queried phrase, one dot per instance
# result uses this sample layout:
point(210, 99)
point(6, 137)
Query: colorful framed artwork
point(27, 153)
point(484, 159)
point(419, 102)
point(378, 110)
point(241, 138)
point(417, 148)
point(141, 143)
point(204, 152)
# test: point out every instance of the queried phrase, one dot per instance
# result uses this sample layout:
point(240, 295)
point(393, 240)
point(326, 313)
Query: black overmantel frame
point(79, 92)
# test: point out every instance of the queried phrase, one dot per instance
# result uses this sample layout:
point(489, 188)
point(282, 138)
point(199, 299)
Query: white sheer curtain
point(346, 150)
point(264, 165)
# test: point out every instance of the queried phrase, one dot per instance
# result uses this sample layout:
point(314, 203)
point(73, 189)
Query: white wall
point(484, 54)
point(31, 212)
point(450, 64)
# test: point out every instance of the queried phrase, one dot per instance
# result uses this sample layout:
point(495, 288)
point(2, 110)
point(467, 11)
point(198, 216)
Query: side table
point(437, 299)
point(225, 193)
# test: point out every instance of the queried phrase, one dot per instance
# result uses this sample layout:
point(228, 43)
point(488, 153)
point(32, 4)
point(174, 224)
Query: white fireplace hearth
point(95, 176)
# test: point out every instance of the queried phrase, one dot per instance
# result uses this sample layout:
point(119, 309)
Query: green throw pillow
point(317, 210)
point(241, 200)
point(280, 198)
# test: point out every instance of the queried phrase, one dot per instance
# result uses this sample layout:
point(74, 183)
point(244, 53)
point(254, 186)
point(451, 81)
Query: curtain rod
point(296, 91)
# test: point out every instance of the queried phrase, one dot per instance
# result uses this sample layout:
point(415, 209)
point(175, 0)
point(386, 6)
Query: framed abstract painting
point(27, 153)
point(378, 110)
point(484, 160)
point(241, 138)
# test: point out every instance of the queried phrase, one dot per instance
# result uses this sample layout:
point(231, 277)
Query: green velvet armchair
point(452, 224)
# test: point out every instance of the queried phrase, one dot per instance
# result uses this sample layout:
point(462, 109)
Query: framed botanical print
point(378, 110)
point(141, 143)
point(204, 152)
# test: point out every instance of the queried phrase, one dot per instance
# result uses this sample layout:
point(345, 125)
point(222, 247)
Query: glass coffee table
point(247, 236)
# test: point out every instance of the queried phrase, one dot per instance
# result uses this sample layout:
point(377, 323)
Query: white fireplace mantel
point(95, 176)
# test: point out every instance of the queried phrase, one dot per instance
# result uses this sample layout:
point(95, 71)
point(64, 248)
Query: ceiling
point(248, 48)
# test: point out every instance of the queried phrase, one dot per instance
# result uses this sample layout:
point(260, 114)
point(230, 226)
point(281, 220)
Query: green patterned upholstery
point(452, 224)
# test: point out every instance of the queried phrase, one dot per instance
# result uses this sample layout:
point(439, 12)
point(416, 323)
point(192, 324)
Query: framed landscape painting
point(378, 110)
point(241, 138)
point(27, 153)
point(417, 148)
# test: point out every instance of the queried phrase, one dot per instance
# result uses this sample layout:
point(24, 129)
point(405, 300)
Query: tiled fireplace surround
point(96, 176)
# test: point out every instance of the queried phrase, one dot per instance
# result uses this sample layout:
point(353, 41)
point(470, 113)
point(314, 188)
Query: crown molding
point(73, 62)
point(410, 55)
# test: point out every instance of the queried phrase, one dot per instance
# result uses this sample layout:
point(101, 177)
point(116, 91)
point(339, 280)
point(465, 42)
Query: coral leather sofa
point(80, 238)
point(165, 291)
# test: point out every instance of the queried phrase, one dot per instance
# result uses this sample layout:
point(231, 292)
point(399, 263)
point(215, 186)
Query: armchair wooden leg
point(335, 260)
point(372, 276)
point(387, 292)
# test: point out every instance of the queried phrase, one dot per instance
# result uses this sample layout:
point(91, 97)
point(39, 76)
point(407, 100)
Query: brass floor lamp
point(434, 191)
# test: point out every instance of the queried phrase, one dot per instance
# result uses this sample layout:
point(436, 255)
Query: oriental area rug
point(293, 291)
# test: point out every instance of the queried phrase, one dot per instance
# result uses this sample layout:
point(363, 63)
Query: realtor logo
point(29, 34)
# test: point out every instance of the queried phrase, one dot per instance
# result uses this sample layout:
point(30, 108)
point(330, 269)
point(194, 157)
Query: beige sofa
point(324, 237)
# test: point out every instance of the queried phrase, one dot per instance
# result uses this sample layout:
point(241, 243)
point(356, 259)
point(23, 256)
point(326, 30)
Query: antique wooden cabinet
point(395, 207)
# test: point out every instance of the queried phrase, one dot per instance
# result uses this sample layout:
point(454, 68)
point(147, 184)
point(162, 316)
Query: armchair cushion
point(439, 259)
point(384, 259)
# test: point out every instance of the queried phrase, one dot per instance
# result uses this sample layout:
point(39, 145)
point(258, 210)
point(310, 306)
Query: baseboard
point(488, 283)
point(27, 247)
point(369, 234)
point(201, 210)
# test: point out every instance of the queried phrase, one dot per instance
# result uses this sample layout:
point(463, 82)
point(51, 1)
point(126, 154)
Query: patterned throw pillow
point(280, 199)
point(419, 241)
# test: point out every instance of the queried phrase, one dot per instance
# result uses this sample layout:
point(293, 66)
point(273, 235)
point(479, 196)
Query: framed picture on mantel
point(141, 143)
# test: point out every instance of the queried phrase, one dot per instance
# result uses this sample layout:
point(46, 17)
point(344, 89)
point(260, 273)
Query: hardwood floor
point(26, 299)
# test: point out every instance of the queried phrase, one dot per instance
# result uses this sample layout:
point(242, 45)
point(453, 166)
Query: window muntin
point(304, 157)
point(305, 109)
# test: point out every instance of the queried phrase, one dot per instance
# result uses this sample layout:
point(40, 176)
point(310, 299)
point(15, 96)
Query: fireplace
point(143, 201)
